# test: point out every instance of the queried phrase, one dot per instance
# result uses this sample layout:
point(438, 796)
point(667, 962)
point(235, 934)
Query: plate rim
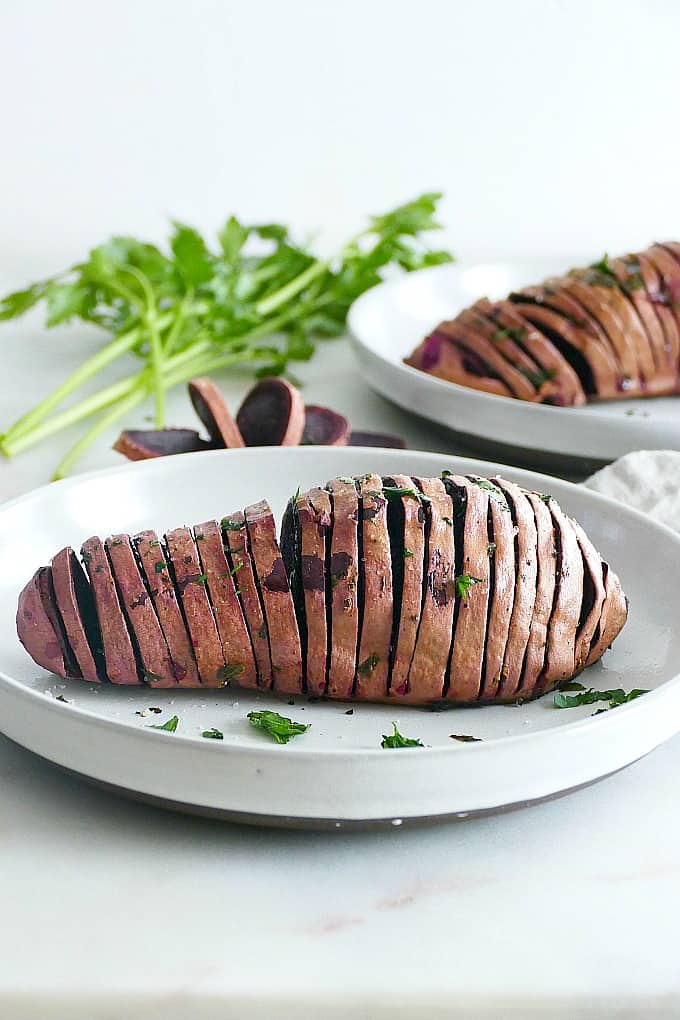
point(273, 750)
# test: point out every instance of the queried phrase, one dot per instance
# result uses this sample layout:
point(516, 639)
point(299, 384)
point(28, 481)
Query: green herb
point(152, 545)
point(347, 481)
point(393, 490)
point(448, 520)
point(545, 496)
point(517, 334)
point(297, 495)
point(60, 697)
point(228, 673)
point(117, 541)
point(256, 298)
point(465, 738)
point(149, 677)
point(159, 566)
point(493, 490)
point(199, 538)
point(156, 711)
point(278, 726)
point(446, 473)
point(539, 377)
point(590, 697)
point(199, 579)
point(213, 734)
point(232, 572)
point(491, 549)
point(396, 740)
point(366, 667)
point(169, 727)
point(464, 583)
point(407, 553)
point(228, 525)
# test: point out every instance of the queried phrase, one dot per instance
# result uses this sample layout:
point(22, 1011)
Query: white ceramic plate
point(388, 321)
point(336, 773)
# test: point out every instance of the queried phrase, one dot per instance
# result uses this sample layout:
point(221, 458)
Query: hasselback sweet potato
point(400, 589)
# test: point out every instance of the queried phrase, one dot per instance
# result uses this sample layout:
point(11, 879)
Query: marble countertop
point(111, 909)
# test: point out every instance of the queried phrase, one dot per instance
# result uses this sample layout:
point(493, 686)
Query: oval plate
point(336, 774)
point(389, 321)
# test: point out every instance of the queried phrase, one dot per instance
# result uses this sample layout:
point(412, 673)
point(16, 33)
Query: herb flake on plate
point(277, 726)
point(396, 740)
point(168, 727)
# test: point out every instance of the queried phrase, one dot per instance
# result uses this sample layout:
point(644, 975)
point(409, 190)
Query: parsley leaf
point(170, 726)
point(464, 582)
point(590, 697)
point(395, 739)
point(277, 726)
point(213, 734)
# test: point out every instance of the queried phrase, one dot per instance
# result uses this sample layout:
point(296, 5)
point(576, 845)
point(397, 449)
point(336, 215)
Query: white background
point(551, 126)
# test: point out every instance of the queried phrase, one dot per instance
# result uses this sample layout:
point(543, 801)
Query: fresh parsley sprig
point(258, 298)
point(395, 739)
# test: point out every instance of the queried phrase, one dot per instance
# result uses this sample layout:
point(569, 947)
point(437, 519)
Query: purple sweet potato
point(145, 444)
point(378, 439)
point(472, 596)
point(235, 535)
point(427, 674)
point(375, 583)
point(221, 580)
point(272, 414)
point(409, 543)
point(190, 586)
point(211, 408)
point(157, 576)
point(119, 654)
point(344, 577)
point(314, 521)
point(76, 608)
point(36, 631)
point(152, 650)
point(284, 637)
point(501, 553)
point(324, 427)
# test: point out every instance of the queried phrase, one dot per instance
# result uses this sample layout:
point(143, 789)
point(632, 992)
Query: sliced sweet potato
point(145, 444)
point(272, 414)
point(76, 608)
point(236, 542)
point(324, 427)
point(343, 569)
point(406, 522)
point(375, 584)
point(36, 631)
point(211, 408)
point(119, 654)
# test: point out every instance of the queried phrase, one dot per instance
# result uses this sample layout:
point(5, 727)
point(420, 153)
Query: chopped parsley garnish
point(149, 676)
point(545, 496)
point(200, 579)
point(156, 711)
point(366, 667)
point(230, 573)
point(117, 541)
point(395, 739)
point(169, 727)
point(277, 726)
point(213, 734)
point(152, 545)
point(539, 377)
point(590, 696)
point(465, 738)
point(464, 582)
point(407, 553)
point(347, 481)
point(231, 525)
point(159, 566)
point(227, 673)
point(446, 473)
point(493, 490)
point(199, 538)
point(491, 549)
point(515, 333)
point(60, 697)
point(448, 520)
point(394, 490)
point(297, 494)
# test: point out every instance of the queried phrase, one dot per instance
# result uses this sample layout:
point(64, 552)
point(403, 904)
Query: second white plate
point(336, 774)
point(388, 321)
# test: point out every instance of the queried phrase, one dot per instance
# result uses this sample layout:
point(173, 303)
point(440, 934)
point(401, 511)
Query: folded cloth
point(648, 480)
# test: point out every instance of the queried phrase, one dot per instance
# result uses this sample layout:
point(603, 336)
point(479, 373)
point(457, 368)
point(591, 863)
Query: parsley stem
point(289, 290)
point(121, 345)
point(101, 425)
point(96, 402)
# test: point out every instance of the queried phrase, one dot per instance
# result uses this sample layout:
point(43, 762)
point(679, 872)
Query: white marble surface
point(110, 909)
